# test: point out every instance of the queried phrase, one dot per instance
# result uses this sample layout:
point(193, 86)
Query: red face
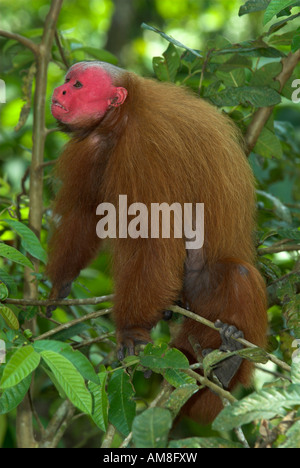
point(86, 95)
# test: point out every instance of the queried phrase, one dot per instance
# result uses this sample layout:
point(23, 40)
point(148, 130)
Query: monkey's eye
point(78, 84)
point(67, 80)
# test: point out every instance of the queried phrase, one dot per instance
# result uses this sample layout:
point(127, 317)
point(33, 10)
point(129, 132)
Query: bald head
point(88, 93)
point(112, 70)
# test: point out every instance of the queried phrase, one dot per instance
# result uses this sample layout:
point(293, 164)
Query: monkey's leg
point(234, 292)
point(72, 246)
point(148, 278)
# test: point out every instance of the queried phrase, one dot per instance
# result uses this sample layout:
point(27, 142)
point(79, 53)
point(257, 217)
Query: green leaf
point(292, 437)
point(100, 402)
point(122, 406)
point(99, 54)
point(160, 357)
point(284, 39)
point(3, 291)
point(295, 374)
point(245, 95)
point(275, 7)
point(176, 377)
point(280, 24)
point(292, 234)
point(179, 397)
point(253, 6)
point(291, 311)
point(71, 332)
point(13, 396)
point(50, 345)
point(78, 359)
point(203, 442)
point(24, 361)
point(14, 255)
point(268, 145)
point(9, 317)
point(213, 358)
point(233, 78)
point(29, 240)
point(6, 278)
point(151, 428)
point(257, 355)
point(296, 41)
point(265, 404)
point(166, 68)
point(69, 379)
point(265, 75)
point(82, 364)
point(256, 48)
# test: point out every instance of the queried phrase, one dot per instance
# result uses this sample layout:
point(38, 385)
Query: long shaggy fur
point(165, 145)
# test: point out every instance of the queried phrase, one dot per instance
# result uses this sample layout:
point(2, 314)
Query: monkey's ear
point(119, 97)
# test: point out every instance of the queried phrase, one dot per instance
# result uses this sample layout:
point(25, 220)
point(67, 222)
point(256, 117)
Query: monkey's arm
point(72, 246)
point(147, 281)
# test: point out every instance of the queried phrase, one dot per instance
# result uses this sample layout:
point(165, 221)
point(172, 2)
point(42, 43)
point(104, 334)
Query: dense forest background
point(244, 58)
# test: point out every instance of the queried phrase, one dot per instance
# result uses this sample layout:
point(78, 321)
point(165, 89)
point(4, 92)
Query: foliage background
point(113, 30)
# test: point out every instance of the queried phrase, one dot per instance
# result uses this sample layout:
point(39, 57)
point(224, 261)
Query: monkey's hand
point(129, 338)
point(226, 370)
point(58, 292)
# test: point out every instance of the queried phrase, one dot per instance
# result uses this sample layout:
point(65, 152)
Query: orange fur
point(165, 145)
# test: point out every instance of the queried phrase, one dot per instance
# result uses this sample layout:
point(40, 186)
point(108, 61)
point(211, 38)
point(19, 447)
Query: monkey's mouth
point(58, 104)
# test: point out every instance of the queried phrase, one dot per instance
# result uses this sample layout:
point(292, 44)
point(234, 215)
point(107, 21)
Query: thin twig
point(61, 50)
point(57, 426)
point(23, 40)
point(59, 302)
point(98, 339)
point(277, 249)
point(66, 326)
point(211, 385)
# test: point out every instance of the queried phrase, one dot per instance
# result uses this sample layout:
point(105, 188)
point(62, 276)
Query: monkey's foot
point(129, 338)
point(226, 370)
point(167, 315)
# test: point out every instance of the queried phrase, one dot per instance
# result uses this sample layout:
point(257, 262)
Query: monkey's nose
point(64, 92)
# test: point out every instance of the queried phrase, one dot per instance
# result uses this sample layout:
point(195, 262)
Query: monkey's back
point(178, 148)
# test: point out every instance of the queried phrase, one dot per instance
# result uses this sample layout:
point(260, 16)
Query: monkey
point(157, 142)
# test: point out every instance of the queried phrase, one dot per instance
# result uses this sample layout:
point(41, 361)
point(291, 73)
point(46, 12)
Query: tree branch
point(57, 425)
point(59, 302)
point(66, 326)
point(23, 40)
point(263, 114)
point(25, 435)
point(277, 249)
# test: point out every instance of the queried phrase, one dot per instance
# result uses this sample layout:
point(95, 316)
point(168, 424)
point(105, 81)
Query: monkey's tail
point(234, 292)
